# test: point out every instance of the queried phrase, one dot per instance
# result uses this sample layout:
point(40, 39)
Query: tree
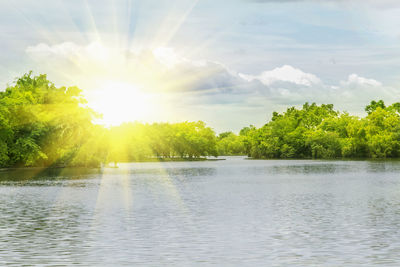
point(230, 144)
point(321, 132)
point(42, 125)
point(374, 105)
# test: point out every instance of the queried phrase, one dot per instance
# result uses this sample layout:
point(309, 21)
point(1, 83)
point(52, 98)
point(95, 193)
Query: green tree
point(42, 125)
point(230, 144)
point(374, 105)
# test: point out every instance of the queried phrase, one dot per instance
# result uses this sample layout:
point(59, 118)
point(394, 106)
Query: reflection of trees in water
point(376, 166)
point(304, 169)
point(45, 176)
point(386, 165)
point(78, 177)
point(172, 172)
point(383, 166)
point(286, 167)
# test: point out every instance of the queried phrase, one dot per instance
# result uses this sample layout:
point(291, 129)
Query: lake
point(235, 212)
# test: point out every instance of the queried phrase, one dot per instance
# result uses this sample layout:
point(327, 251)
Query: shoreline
point(106, 165)
point(110, 165)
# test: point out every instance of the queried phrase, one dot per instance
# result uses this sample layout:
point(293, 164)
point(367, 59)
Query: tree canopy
point(321, 132)
point(45, 125)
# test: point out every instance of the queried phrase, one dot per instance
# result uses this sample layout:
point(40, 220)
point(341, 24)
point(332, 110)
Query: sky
point(228, 63)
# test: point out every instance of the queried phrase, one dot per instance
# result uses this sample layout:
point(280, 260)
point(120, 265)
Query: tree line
point(320, 132)
point(138, 142)
point(45, 125)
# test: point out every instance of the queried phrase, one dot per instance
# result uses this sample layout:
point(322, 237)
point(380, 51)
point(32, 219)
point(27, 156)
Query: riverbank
point(39, 168)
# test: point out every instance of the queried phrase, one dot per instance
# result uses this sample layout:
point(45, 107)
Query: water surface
point(224, 213)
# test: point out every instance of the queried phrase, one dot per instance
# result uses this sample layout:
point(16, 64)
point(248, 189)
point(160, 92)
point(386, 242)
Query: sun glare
point(120, 102)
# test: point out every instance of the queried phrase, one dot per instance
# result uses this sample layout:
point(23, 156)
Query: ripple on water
point(225, 213)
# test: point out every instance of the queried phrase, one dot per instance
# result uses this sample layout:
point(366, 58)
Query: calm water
point(226, 213)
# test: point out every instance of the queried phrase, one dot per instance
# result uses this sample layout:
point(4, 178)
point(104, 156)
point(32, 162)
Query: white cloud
point(70, 51)
point(66, 49)
point(96, 51)
point(285, 73)
point(355, 80)
point(167, 56)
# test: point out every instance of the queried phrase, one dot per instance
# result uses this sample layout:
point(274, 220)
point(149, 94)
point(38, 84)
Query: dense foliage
point(42, 125)
point(230, 144)
point(321, 132)
point(137, 141)
point(45, 125)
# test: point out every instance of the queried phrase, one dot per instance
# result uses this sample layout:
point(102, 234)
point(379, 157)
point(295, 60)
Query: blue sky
point(229, 63)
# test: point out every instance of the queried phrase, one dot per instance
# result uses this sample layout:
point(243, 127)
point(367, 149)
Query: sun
point(120, 102)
